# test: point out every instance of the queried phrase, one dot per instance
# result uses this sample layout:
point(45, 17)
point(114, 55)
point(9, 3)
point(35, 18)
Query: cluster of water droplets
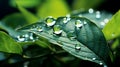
point(27, 37)
point(99, 17)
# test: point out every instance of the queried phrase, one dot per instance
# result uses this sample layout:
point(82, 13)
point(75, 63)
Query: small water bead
point(77, 47)
point(90, 10)
point(98, 14)
point(39, 29)
point(50, 21)
point(85, 22)
point(94, 58)
point(101, 63)
point(21, 38)
point(71, 35)
point(66, 19)
point(78, 23)
point(57, 29)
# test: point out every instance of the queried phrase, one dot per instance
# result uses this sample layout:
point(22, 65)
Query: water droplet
point(57, 29)
point(94, 58)
point(90, 10)
point(39, 29)
point(31, 36)
point(21, 38)
point(98, 14)
point(105, 66)
point(66, 19)
point(101, 63)
point(77, 47)
point(80, 15)
point(71, 35)
point(106, 20)
point(85, 22)
point(78, 23)
point(26, 64)
point(50, 21)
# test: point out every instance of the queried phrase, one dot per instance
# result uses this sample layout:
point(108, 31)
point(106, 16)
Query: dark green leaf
point(7, 44)
point(77, 35)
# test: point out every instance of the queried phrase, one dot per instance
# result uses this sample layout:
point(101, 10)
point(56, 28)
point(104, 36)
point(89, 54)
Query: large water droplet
point(90, 10)
point(77, 47)
point(98, 14)
point(78, 23)
point(57, 29)
point(50, 21)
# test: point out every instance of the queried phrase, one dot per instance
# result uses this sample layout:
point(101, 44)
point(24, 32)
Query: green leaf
point(7, 44)
point(31, 18)
point(25, 3)
point(53, 8)
point(112, 30)
point(77, 35)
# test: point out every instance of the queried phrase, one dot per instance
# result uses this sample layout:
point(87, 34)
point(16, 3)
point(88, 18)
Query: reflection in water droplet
point(78, 23)
point(77, 47)
point(50, 21)
point(93, 58)
point(57, 29)
point(98, 14)
point(90, 10)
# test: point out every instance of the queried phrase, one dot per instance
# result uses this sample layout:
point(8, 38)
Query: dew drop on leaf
point(98, 14)
point(21, 38)
point(66, 19)
point(101, 63)
point(77, 47)
point(50, 21)
point(94, 58)
point(71, 35)
point(78, 23)
point(57, 29)
point(90, 10)
point(39, 29)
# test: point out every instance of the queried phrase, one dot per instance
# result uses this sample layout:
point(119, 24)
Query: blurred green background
point(55, 8)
